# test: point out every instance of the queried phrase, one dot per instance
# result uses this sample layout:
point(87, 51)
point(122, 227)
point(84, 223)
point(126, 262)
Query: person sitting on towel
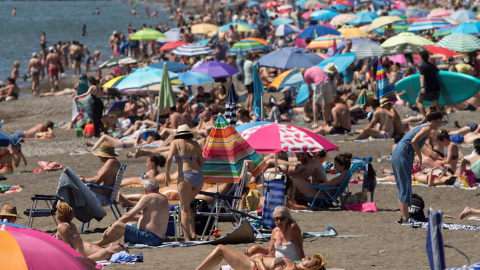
point(381, 117)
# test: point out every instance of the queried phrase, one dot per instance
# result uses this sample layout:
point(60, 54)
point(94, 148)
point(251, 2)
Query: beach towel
point(330, 231)
point(384, 88)
point(124, 257)
point(82, 111)
point(448, 226)
point(8, 189)
point(363, 207)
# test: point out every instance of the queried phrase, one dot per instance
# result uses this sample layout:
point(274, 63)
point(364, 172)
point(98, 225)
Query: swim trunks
point(18, 134)
point(470, 107)
point(135, 236)
point(338, 130)
point(473, 127)
point(53, 71)
point(88, 59)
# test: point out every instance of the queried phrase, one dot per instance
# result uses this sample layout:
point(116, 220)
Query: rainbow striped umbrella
point(427, 24)
point(247, 46)
point(225, 154)
point(445, 31)
point(324, 42)
point(384, 88)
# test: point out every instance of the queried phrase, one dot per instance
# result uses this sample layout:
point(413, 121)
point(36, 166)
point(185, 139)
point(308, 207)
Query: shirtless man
point(309, 168)
point(381, 117)
point(152, 224)
point(34, 69)
point(45, 130)
point(65, 48)
point(78, 55)
point(341, 119)
point(206, 124)
point(471, 104)
point(53, 65)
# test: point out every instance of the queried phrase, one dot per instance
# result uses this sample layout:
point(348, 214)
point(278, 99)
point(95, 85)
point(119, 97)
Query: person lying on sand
point(435, 177)
point(468, 212)
point(153, 162)
point(121, 143)
point(40, 130)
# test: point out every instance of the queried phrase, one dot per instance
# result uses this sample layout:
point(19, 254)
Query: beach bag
point(253, 200)
point(199, 205)
point(465, 179)
point(357, 198)
point(416, 210)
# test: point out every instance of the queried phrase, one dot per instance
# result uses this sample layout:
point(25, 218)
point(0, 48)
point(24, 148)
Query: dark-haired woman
point(187, 153)
point(403, 156)
point(153, 162)
point(450, 160)
point(97, 105)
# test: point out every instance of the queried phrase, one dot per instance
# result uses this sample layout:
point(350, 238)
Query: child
point(88, 130)
point(17, 155)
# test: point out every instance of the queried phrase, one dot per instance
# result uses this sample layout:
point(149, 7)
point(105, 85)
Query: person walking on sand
point(53, 66)
point(321, 95)
point(430, 87)
point(34, 68)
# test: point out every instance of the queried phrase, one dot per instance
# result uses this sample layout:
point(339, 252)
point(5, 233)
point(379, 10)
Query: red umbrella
point(444, 52)
point(342, 2)
point(172, 45)
point(270, 4)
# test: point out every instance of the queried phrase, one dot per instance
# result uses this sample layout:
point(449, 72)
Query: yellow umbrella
point(279, 79)
point(113, 81)
point(177, 82)
point(352, 32)
point(204, 28)
point(384, 20)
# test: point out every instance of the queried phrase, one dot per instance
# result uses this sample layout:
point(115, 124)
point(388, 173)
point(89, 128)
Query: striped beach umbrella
point(324, 42)
point(427, 24)
point(440, 13)
point(460, 43)
point(172, 45)
point(192, 50)
point(367, 50)
point(226, 152)
point(406, 38)
point(342, 19)
point(290, 77)
point(467, 28)
point(384, 88)
point(285, 30)
point(113, 82)
point(247, 46)
point(445, 31)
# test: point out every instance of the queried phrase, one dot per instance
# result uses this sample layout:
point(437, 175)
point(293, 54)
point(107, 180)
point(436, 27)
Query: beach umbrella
point(342, 2)
point(352, 32)
point(231, 106)
point(421, 13)
point(192, 50)
point(247, 46)
point(204, 28)
point(274, 137)
point(400, 58)
point(147, 34)
point(339, 7)
point(442, 52)
point(427, 24)
point(384, 88)
point(367, 50)
point(314, 31)
point(434, 243)
point(364, 18)
point(257, 94)
point(285, 30)
point(384, 20)
point(323, 55)
point(445, 31)
point(171, 35)
point(241, 26)
point(6, 140)
point(396, 12)
point(202, 42)
point(285, 9)
point(322, 15)
point(194, 78)
point(311, 3)
point(270, 4)
point(292, 77)
point(166, 97)
point(341, 61)
point(253, 3)
point(281, 20)
point(172, 45)
point(343, 43)
point(406, 38)
point(216, 69)
point(171, 66)
point(120, 61)
point(25, 248)
point(300, 3)
point(463, 15)
point(410, 11)
point(225, 153)
point(113, 82)
point(460, 43)
point(143, 78)
point(342, 19)
point(440, 13)
point(400, 4)
point(289, 57)
point(400, 27)
point(467, 28)
point(263, 41)
point(324, 42)
point(405, 48)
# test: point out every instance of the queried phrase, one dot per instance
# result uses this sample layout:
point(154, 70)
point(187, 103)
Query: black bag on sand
point(198, 205)
point(416, 210)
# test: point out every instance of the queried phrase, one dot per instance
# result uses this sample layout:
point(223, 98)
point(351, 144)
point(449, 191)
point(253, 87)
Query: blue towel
point(123, 257)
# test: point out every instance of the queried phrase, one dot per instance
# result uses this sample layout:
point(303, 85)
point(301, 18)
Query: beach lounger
point(275, 191)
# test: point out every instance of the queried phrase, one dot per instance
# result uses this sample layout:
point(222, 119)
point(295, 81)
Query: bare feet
point(465, 213)
point(123, 201)
point(386, 171)
point(129, 154)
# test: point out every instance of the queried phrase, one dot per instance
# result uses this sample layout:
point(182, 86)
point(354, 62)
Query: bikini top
point(179, 157)
point(73, 235)
point(5, 165)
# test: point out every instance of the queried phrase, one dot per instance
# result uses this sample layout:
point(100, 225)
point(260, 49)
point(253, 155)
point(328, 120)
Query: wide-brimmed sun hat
point(330, 68)
point(106, 150)
point(9, 210)
point(183, 130)
point(384, 101)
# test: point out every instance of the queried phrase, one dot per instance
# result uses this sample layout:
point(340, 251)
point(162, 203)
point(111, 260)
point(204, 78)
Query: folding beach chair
point(328, 199)
point(275, 195)
point(34, 212)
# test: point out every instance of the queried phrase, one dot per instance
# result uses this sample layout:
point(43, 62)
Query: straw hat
point(9, 211)
point(384, 101)
point(183, 130)
point(330, 68)
point(106, 150)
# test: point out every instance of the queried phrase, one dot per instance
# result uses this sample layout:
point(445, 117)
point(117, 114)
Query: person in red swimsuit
point(6, 161)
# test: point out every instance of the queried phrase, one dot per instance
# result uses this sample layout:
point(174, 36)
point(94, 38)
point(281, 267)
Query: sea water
point(62, 21)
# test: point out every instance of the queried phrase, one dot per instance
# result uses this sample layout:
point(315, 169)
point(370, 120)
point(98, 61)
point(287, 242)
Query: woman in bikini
point(153, 162)
point(67, 232)
point(187, 153)
point(6, 161)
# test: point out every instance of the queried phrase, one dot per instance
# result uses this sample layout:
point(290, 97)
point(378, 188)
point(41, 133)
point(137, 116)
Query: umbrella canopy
point(316, 31)
point(241, 26)
point(341, 61)
point(311, 3)
point(194, 78)
point(364, 18)
point(412, 11)
point(247, 46)
point(171, 35)
point(253, 3)
point(289, 57)
point(274, 137)
point(406, 38)
point(113, 82)
point(324, 42)
point(352, 32)
point(25, 248)
point(463, 15)
point(343, 43)
point(460, 43)
point(440, 13)
point(225, 154)
point(322, 15)
point(403, 49)
point(367, 50)
point(467, 28)
point(172, 45)
point(384, 88)
point(442, 52)
point(384, 20)
point(257, 94)
point(281, 20)
point(231, 106)
point(396, 12)
point(285, 30)
point(147, 34)
point(140, 79)
point(216, 69)
point(204, 28)
point(192, 50)
point(120, 61)
point(427, 24)
point(270, 4)
point(166, 98)
point(342, 19)
point(171, 66)
point(445, 31)
point(290, 77)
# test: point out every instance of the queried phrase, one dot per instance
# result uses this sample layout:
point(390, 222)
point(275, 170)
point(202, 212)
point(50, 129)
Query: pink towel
point(363, 207)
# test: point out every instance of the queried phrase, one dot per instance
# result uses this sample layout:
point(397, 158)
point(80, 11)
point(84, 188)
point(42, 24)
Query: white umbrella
point(192, 50)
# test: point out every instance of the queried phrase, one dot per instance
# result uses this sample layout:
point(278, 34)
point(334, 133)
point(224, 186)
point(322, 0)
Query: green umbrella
point(406, 38)
point(460, 43)
point(147, 34)
point(166, 98)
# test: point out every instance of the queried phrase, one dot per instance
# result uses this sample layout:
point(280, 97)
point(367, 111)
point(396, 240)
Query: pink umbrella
point(400, 5)
point(306, 14)
point(273, 138)
point(400, 58)
point(300, 43)
point(440, 13)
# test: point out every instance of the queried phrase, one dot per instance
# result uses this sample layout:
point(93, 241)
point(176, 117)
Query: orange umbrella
point(172, 45)
point(264, 42)
point(324, 42)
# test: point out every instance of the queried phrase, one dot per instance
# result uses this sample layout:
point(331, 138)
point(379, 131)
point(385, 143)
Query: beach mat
point(8, 189)
point(448, 226)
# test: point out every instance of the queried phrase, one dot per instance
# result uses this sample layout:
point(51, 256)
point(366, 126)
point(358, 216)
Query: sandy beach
point(386, 246)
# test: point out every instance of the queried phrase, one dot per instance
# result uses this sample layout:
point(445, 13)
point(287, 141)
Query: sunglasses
point(279, 218)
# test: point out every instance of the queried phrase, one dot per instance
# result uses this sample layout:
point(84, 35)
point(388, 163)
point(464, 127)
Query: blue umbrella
point(364, 18)
point(281, 20)
point(142, 79)
point(318, 30)
point(203, 42)
point(421, 13)
point(243, 127)
point(6, 140)
point(231, 106)
point(289, 57)
point(253, 3)
point(467, 28)
point(300, 3)
point(194, 78)
point(285, 30)
point(343, 43)
point(303, 94)
point(216, 69)
point(172, 66)
point(463, 15)
point(434, 243)
point(321, 15)
point(257, 94)
point(171, 74)
point(340, 7)
point(341, 61)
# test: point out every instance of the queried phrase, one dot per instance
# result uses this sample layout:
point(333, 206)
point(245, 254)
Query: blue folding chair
point(275, 194)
